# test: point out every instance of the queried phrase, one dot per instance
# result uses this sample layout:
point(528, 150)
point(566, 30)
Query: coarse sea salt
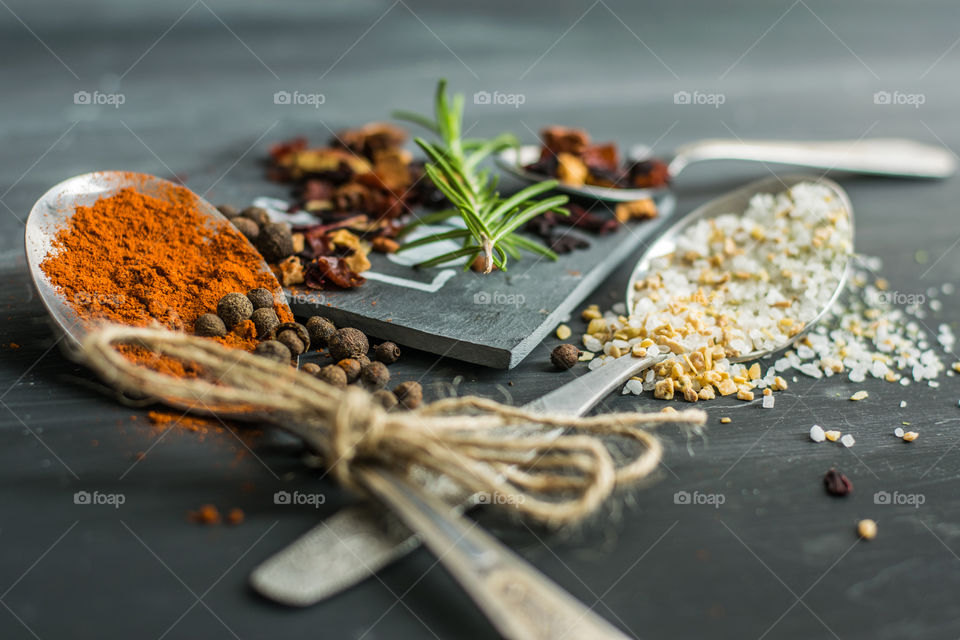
point(847, 440)
point(817, 434)
point(767, 402)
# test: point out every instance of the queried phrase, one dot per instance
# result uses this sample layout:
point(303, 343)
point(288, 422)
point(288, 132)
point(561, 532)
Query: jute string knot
point(553, 468)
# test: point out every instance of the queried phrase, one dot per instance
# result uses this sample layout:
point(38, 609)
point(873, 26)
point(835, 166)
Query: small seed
point(910, 436)
point(564, 332)
point(565, 356)
point(350, 367)
point(409, 394)
point(867, 529)
point(375, 375)
point(210, 325)
point(334, 375)
point(831, 435)
point(725, 420)
point(859, 395)
point(386, 352)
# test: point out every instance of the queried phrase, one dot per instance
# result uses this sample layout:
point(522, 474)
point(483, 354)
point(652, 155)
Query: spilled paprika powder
point(136, 259)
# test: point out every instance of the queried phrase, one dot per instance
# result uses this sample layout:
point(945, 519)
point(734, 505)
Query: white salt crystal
point(634, 386)
point(592, 344)
point(768, 402)
point(847, 440)
point(903, 403)
point(816, 433)
point(898, 432)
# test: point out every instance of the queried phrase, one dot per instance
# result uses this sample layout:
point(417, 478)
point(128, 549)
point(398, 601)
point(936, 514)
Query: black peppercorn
point(386, 352)
point(275, 241)
point(350, 367)
point(332, 374)
point(385, 398)
point(233, 309)
point(565, 356)
point(291, 341)
point(265, 320)
point(375, 375)
point(310, 367)
point(261, 298)
point(257, 214)
point(247, 227)
point(320, 330)
point(409, 394)
point(228, 210)
point(209, 325)
point(298, 329)
point(273, 350)
point(347, 343)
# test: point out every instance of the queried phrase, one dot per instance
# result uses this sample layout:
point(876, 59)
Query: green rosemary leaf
point(533, 246)
point(511, 224)
point(450, 256)
point(446, 235)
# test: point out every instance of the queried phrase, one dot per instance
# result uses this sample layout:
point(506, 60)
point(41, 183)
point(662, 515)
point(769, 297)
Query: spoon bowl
point(584, 392)
point(54, 209)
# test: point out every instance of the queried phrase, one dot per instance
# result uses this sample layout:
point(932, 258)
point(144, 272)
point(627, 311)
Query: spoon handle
point(879, 156)
point(519, 601)
point(581, 394)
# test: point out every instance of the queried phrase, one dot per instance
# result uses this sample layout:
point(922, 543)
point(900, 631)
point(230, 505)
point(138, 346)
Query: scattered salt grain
point(898, 432)
point(768, 402)
point(859, 395)
point(847, 440)
point(903, 403)
point(816, 433)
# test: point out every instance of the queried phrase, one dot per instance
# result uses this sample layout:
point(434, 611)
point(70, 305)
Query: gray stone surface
point(777, 560)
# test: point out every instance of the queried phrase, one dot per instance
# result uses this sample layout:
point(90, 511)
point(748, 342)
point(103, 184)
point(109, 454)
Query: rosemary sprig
point(491, 221)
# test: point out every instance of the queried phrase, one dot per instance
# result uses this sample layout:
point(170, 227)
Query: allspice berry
point(228, 210)
point(375, 375)
point(409, 394)
point(347, 343)
point(291, 341)
point(320, 330)
point(261, 298)
point(385, 398)
point(350, 367)
point(273, 350)
point(247, 227)
point(565, 356)
point(209, 325)
point(275, 241)
point(257, 214)
point(332, 374)
point(386, 352)
point(310, 367)
point(265, 320)
point(363, 360)
point(234, 308)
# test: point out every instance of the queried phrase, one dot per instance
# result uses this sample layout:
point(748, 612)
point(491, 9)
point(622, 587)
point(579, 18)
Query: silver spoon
point(878, 156)
point(322, 562)
point(520, 602)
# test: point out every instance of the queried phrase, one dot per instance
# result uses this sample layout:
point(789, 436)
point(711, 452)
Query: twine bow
point(554, 468)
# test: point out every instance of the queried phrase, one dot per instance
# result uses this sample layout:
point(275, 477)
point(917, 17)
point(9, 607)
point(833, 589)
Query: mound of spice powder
point(138, 259)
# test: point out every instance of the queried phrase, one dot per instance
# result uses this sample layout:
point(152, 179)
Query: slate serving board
point(493, 320)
